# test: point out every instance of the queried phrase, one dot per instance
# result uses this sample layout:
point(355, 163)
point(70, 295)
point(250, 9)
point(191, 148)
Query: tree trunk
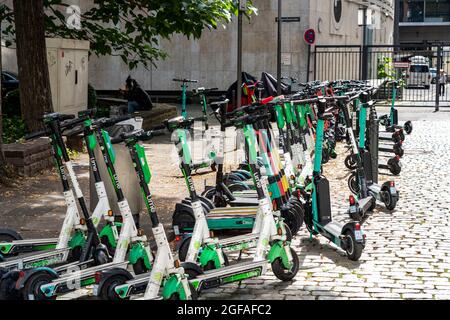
point(2, 156)
point(35, 93)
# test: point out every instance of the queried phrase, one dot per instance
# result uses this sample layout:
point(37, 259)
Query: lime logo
point(95, 220)
point(197, 245)
point(265, 241)
point(157, 276)
point(6, 248)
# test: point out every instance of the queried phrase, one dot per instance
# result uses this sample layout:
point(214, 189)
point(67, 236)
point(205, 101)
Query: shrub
point(13, 129)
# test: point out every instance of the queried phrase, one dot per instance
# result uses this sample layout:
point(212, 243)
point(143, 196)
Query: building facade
point(212, 60)
point(424, 20)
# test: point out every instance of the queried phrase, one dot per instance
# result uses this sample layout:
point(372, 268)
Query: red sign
point(310, 36)
point(404, 65)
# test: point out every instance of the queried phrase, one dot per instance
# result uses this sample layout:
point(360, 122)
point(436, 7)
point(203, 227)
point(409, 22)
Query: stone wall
point(29, 158)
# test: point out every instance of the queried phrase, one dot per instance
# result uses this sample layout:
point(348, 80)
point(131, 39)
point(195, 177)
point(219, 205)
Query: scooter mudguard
point(107, 232)
point(392, 190)
point(209, 253)
point(174, 285)
point(351, 226)
point(281, 250)
point(78, 240)
point(138, 252)
point(27, 274)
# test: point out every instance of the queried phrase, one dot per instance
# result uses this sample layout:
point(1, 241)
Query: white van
point(419, 74)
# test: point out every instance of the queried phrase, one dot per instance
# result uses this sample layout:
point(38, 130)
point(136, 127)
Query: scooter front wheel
point(109, 288)
point(353, 249)
point(350, 162)
point(286, 274)
point(194, 295)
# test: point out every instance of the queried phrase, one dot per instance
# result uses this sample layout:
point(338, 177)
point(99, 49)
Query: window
point(425, 11)
point(418, 68)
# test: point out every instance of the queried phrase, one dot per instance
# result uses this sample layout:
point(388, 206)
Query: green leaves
point(132, 29)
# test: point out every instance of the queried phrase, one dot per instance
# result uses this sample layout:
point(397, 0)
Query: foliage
point(133, 29)
point(11, 104)
point(387, 71)
point(14, 129)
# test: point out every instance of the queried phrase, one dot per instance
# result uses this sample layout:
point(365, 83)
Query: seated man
point(138, 99)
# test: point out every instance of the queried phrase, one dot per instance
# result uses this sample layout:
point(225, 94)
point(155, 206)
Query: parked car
point(419, 73)
point(10, 82)
point(433, 73)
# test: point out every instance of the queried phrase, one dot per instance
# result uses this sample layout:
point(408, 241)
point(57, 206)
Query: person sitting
point(138, 99)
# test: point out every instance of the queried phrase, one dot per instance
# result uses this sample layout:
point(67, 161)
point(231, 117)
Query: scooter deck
point(26, 246)
point(233, 210)
point(365, 204)
point(66, 282)
point(209, 279)
point(238, 272)
point(335, 228)
point(240, 240)
point(35, 259)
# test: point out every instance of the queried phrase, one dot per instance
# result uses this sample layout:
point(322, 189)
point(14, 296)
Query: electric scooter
point(130, 239)
point(318, 217)
point(12, 244)
point(87, 251)
point(205, 260)
point(360, 181)
point(390, 122)
point(167, 271)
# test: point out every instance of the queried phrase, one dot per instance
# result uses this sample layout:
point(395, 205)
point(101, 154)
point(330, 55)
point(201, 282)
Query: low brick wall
point(29, 158)
point(159, 113)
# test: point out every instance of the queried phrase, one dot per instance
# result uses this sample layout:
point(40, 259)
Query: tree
point(35, 94)
point(131, 29)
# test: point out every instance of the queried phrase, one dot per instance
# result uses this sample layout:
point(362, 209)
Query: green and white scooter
point(167, 271)
point(205, 262)
point(131, 241)
point(72, 251)
point(72, 231)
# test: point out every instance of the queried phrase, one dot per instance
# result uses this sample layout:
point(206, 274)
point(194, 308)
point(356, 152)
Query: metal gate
point(418, 67)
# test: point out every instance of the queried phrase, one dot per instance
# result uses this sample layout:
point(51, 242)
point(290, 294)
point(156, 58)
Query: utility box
point(68, 70)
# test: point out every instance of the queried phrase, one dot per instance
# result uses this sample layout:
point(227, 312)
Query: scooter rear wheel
point(32, 288)
point(353, 249)
point(408, 127)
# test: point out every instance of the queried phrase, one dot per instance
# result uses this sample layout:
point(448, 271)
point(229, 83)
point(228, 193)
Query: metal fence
point(417, 65)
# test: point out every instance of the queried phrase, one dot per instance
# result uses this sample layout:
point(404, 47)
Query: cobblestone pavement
point(407, 251)
point(406, 256)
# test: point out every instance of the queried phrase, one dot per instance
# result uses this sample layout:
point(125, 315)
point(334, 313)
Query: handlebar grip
point(159, 127)
point(267, 100)
point(63, 117)
point(158, 133)
point(117, 140)
point(72, 123)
